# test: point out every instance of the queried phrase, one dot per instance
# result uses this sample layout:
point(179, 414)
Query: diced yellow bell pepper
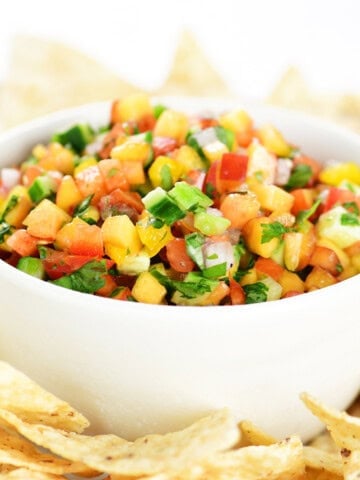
point(273, 141)
point(132, 151)
point(148, 289)
point(119, 231)
point(172, 124)
point(238, 121)
point(68, 194)
point(335, 174)
point(87, 162)
point(189, 159)
point(154, 239)
point(132, 107)
point(17, 205)
point(249, 277)
point(157, 175)
point(116, 253)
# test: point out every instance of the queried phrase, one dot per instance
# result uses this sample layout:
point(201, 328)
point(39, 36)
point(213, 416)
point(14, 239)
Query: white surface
point(250, 42)
point(135, 368)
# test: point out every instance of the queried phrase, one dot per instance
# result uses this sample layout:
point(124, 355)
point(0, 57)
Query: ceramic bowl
point(133, 368)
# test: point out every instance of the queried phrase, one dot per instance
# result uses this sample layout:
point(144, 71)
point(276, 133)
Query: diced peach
point(68, 194)
point(79, 238)
point(240, 208)
point(319, 278)
point(298, 249)
point(252, 233)
point(273, 198)
point(45, 220)
point(113, 175)
point(325, 258)
point(291, 282)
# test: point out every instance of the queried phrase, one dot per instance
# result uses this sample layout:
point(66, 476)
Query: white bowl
point(136, 368)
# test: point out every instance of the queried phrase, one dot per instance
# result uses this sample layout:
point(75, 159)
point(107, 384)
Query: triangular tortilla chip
point(191, 72)
point(45, 76)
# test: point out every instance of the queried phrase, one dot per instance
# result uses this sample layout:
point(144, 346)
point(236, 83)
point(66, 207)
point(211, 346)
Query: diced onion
point(10, 177)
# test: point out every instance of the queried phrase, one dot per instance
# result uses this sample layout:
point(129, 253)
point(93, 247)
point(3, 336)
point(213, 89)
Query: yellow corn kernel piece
point(134, 107)
point(148, 289)
point(68, 194)
point(88, 162)
point(132, 151)
point(16, 206)
point(335, 174)
point(273, 198)
point(237, 121)
point(273, 141)
point(154, 239)
point(172, 124)
point(119, 231)
point(214, 151)
point(189, 159)
point(161, 167)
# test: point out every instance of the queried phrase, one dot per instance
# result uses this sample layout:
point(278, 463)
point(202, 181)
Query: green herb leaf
point(88, 279)
point(11, 204)
point(5, 229)
point(349, 219)
point(352, 207)
point(227, 137)
point(188, 289)
point(272, 230)
point(300, 176)
point(306, 214)
point(83, 206)
point(255, 292)
point(158, 110)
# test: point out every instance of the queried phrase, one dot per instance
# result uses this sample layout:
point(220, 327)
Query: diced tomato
point(23, 243)
point(146, 123)
point(204, 122)
point(79, 238)
point(325, 258)
point(196, 178)
point(232, 171)
point(291, 293)
point(163, 145)
point(57, 264)
point(303, 200)
point(210, 187)
point(237, 294)
point(123, 293)
point(269, 267)
point(110, 140)
point(113, 175)
point(177, 256)
point(339, 196)
point(109, 286)
point(119, 202)
point(91, 182)
point(32, 172)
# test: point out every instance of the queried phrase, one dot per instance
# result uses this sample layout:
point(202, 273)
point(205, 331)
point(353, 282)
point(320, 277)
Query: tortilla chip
point(281, 461)
point(344, 429)
point(33, 404)
point(324, 442)
point(320, 460)
point(18, 452)
point(25, 474)
point(191, 72)
point(147, 455)
point(45, 76)
point(253, 435)
point(291, 91)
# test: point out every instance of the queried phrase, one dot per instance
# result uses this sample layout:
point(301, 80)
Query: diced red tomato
point(291, 293)
point(23, 243)
point(110, 140)
point(146, 123)
point(163, 145)
point(177, 256)
point(79, 238)
point(325, 258)
point(109, 286)
point(269, 267)
point(113, 175)
point(119, 201)
point(237, 294)
point(303, 200)
point(90, 182)
point(232, 171)
point(57, 264)
point(339, 196)
point(210, 187)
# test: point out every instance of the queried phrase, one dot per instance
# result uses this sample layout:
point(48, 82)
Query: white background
point(250, 42)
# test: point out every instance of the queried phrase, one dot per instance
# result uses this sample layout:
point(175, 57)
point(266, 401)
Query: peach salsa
point(165, 208)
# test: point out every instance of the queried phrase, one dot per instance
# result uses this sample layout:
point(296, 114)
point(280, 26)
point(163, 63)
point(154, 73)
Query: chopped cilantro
point(158, 110)
point(352, 207)
point(11, 204)
point(272, 230)
point(255, 292)
point(188, 289)
point(300, 176)
point(83, 206)
point(306, 214)
point(349, 219)
point(88, 279)
point(5, 229)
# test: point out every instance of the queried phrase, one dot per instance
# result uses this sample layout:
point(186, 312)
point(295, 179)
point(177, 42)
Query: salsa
point(165, 208)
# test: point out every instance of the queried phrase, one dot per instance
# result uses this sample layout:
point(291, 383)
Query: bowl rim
point(48, 290)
